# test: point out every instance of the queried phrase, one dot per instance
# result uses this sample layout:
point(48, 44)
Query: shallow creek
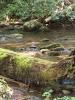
point(66, 38)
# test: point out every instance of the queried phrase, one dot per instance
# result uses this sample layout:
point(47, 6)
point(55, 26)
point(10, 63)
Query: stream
point(9, 40)
point(65, 37)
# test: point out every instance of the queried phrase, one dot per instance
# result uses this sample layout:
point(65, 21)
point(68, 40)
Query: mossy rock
point(32, 25)
point(22, 67)
point(45, 40)
point(51, 46)
point(58, 49)
point(31, 69)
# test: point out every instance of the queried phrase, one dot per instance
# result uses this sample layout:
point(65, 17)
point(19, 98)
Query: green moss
point(51, 46)
point(23, 61)
point(24, 66)
point(2, 55)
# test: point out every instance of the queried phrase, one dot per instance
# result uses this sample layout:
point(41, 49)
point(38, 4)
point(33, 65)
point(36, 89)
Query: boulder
point(32, 25)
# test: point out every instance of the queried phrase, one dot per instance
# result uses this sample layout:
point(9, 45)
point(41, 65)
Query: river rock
point(54, 53)
point(3, 39)
point(32, 25)
point(44, 29)
point(15, 35)
point(45, 40)
point(66, 51)
point(58, 49)
point(44, 51)
point(10, 37)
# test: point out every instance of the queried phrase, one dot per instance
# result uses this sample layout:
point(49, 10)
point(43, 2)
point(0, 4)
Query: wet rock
point(45, 40)
point(54, 45)
point(66, 51)
point(32, 25)
point(54, 53)
point(16, 36)
point(10, 37)
point(3, 39)
point(44, 51)
point(51, 46)
point(33, 47)
point(58, 49)
point(66, 92)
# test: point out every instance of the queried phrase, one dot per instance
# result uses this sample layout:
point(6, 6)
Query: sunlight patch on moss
point(23, 62)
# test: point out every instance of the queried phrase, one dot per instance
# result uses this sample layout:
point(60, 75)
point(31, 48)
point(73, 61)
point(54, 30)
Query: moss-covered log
point(33, 70)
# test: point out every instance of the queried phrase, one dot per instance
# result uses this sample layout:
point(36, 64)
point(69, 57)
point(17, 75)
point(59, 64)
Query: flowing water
point(65, 37)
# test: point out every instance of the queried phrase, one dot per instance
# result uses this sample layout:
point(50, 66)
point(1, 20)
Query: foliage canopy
point(30, 9)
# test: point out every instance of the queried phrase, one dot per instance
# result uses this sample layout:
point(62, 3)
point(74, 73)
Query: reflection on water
point(67, 38)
